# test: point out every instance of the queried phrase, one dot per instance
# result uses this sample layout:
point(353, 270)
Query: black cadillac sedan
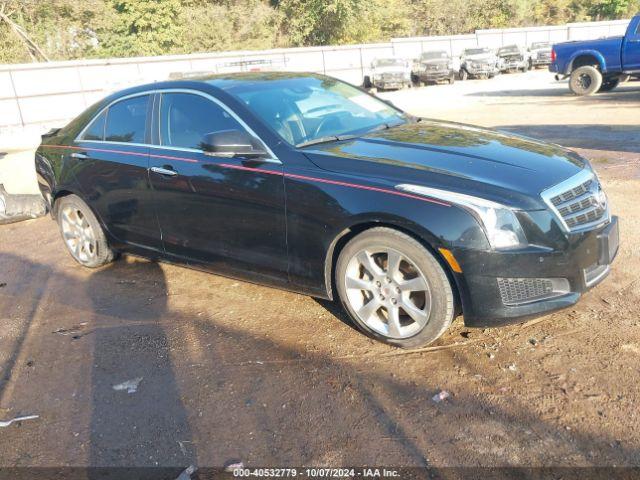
point(306, 183)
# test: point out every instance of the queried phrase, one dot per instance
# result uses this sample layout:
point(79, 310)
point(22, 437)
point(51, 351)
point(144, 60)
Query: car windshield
point(389, 62)
point(539, 45)
point(510, 49)
point(434, 55)
point(476, 51)
point(312, 109)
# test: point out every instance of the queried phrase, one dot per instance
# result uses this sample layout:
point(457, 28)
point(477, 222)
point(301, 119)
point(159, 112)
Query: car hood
point(509, 54)
point(481, 58)
point(381, 70)
point(498, 166)
point(436, 61)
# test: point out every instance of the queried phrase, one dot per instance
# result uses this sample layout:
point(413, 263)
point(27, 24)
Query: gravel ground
point(234, 371)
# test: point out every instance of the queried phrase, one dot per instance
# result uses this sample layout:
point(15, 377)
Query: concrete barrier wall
point(48, 94)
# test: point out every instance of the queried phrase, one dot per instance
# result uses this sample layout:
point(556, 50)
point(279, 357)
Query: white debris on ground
point(440, 396)
point(6, 423)
point(131, 386)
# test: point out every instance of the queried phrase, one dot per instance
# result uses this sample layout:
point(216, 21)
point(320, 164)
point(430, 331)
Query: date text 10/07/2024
point(315, 473)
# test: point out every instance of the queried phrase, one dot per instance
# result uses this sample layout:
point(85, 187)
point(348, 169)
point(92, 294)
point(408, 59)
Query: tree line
point(71, 29)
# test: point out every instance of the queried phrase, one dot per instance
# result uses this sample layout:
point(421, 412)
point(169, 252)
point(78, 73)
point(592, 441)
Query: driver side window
point(185, 118)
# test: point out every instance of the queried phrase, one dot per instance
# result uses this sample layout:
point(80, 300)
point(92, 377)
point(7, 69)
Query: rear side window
point(126, 120)
point(96, 128)
point(186, 118)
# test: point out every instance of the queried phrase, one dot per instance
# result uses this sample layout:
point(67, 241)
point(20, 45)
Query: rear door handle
point(79, 156)
point(164, 171)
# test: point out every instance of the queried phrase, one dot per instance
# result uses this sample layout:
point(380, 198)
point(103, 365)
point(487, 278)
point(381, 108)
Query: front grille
point(389, 77)
point(516, 291)
point(579, 202)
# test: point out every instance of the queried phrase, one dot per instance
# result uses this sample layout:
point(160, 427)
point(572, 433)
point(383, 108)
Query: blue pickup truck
point(598, 65)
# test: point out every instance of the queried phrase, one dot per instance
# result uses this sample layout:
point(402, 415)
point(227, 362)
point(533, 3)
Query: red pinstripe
point(267, 172)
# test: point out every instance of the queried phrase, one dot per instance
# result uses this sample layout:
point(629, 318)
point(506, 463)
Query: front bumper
point(390, 85)
point(585, 263)
point(435, 75)
point(540, 61)
point(482, 70)
point(514, 65)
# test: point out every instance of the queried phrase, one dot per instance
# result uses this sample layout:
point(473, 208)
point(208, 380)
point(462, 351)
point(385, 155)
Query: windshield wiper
point(387, 126)
point(327, 139)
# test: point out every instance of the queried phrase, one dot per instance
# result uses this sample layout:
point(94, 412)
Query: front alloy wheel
point(393, 288)
point(387, 291)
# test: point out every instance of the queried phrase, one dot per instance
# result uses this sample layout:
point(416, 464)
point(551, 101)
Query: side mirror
point(231, 143)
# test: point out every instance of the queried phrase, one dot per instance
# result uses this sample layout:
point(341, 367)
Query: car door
point(631, 51)
point(224, 213)
point(111, 165)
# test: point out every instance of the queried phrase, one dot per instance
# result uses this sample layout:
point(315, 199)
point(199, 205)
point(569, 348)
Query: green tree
point(143, 27)
point(216, 26)
point(610, 9)
point(64, 29)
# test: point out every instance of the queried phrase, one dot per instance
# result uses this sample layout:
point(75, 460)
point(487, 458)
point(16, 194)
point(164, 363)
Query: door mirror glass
point(232, 143)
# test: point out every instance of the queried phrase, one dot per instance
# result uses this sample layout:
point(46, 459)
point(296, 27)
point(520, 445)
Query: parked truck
point(389, 74)
point(598, 65)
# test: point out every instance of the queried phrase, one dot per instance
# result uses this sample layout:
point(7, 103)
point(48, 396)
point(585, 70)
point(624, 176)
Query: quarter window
point(96, 129)
point(186, 118)
point(126, 120)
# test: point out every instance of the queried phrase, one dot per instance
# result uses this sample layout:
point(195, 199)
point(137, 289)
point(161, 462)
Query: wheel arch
point(59, 194)
point(65, 192)
point(587, 58)
point(425, 238)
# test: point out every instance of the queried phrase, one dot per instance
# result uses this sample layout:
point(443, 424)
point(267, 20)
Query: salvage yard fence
point(44, 94)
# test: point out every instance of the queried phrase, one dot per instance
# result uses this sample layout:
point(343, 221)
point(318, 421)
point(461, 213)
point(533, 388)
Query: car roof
point(207, 81)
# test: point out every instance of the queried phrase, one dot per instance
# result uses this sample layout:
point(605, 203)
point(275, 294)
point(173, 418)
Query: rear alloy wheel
point(394, 289)
point(82, 233)
point(585, 80)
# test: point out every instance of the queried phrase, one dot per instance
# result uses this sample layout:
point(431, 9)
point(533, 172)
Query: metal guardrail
point(25, 99)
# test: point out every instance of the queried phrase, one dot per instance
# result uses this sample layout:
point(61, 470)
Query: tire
point(415, 80)
point(367, 82)
point(464, 75)
point(81, 232)
point(431, 302)
point(585, 80)
point(452, 79)
point(609, 85)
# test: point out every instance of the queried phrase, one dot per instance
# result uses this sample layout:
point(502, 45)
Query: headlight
point(500, 223)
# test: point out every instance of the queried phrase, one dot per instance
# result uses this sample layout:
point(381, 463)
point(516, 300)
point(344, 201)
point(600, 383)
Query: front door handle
point(79, 156)
point(164, 171)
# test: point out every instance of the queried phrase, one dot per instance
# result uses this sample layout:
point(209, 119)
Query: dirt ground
point(234, 371)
